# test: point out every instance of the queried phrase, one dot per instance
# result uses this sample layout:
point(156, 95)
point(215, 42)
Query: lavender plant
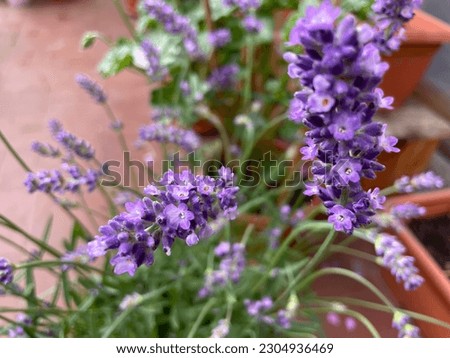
point(225, 250)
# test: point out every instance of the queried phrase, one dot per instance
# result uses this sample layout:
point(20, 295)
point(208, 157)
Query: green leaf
point(89, 39)
point(361, 8)
point(118, 58)
point(219, 10)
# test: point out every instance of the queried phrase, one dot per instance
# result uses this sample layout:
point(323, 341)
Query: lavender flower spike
point(179, 206)
point(389, 17)
point(401, 322)
point(339, 72)
point(224, 78)
point(219, 38)
point(46, 150)
point(424, 181)
point(6, 271)
point(91, 87)
point(164, 133)
point(221, 330)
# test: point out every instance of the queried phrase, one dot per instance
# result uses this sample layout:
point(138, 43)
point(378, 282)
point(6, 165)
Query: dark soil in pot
point(434, 233)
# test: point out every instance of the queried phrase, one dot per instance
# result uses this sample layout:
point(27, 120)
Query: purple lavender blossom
point(252, 24)
point(224, 78)
point(221, 330)
point(391, 253)
point(350, 324)
point(91, 87)
point(407, 211)
point(47, 181)
point(259, 310)
point(231, 265)
point(159, 219)
point(175, 24)
point(219, 38)
point(333, 319)
point(152, 61)
point(164, 133)
point(283, 319)
point(390, 17)
point(339, 72)
point(18, 331)
point(80, 255)
point(46, 150)
point(402, 322)
point(74, 145)
point(160, 113)
point(6, 271)
point(424, 181)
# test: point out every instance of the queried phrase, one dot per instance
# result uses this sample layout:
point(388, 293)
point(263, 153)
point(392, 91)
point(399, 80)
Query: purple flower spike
point(91, 87)
point(174, 208)
point(252, 24)
point(401, 322)
point(224, 78)
point(219, 38)
point(424, 181)
point(339, 71)
point(6, 271)
point(164, 133)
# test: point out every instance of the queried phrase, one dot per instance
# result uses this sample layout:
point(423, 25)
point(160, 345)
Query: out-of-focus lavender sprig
point(46, 150)
point(219, 38)
point(392, 256)
point(408, 211)
point(70, 142)
point(230, 268)
point(390, 16)
point(129, 301)
point(175, 24)
point(91, 87)
point(259, 309)
point(221, 330)
point(160, 113)
point(424, 181)
point(165, 133)
point(80, 255)
point(252, 24)
point(402, 322)
point(18, 331)
point(6, 271)
point(224, 77)
point(339, 72)
point(151, 61)
point(52, 181)
point(178, 206)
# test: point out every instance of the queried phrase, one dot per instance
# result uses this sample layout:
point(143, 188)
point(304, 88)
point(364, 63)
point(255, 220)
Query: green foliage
point(89, 39)
point(117, 58)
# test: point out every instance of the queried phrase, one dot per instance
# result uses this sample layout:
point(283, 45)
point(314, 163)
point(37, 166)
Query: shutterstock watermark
point(249, 173)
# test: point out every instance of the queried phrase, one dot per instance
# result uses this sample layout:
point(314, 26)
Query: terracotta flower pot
point(131, 7)
point(425, 35)
point(433, 297)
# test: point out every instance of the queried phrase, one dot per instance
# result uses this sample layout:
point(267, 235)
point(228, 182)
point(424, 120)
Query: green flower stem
point(121, 137)
point(126, 19)
point(15, 245)
point(389, 191)
point(89, 212)
point(204, 112)
point(247, 97)
point(275, 122)
point(211, 302)
point(28, 170)
point(352, 252)
point(383, 308)
point(39, 243)
point(303, 226)
point(36, 264)
point(350, 274)
point(312, 264)
point(123, 315)
point(361, 318)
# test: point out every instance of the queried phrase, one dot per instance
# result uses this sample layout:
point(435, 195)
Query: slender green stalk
point(389, 191)
point(350, 274)
point(36, 264)
point(361, 318)
point(312, 264)
point(249, 72)
point(15, 245)
point(14, 153)
point(303, 226)
point(201, 316)
point(89, 212)
point(383, 308)
point(204, 112)
point(125, 18)
point(31, 238)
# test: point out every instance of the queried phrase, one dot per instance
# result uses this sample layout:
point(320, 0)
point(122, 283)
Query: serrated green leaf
point(117, 59)
point(89, 39)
